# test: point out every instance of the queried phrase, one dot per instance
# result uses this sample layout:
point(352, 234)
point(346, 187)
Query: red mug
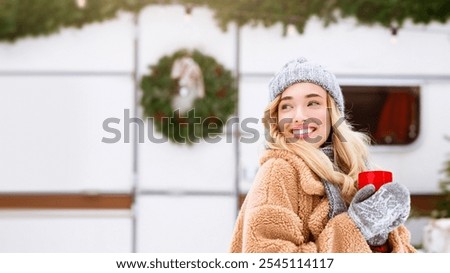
point(377, 178)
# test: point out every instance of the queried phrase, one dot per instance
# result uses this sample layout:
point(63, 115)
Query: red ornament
point(159, 116)
point(221, 93)
point(218, 71)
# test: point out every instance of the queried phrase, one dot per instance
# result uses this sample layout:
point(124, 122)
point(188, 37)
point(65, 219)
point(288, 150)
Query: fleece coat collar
point(310, 183)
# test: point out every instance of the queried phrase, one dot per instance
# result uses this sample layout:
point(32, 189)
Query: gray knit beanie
point(301, 70)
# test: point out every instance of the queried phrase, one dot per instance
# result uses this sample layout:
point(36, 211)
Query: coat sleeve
point(399, 240)
point(342, 235)
point(270, 222)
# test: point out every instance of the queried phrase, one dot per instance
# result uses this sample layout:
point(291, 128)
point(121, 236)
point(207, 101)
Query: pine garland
point(22, 18)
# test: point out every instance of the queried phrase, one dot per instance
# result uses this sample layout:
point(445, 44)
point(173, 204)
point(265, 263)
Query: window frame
point(391, 81)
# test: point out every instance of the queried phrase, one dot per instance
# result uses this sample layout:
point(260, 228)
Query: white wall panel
point(65, 231)
point(165, 30)
point(250, 155)
point(179, 167)
point(167, 166)
point(106, 46)
point(347, 48)
point(51, 134)
point(253, 99)
point(185, 224)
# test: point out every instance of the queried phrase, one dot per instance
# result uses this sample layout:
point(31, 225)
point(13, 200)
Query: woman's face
point(303, 114)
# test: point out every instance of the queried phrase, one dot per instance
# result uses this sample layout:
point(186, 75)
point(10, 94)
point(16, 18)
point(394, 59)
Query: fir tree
point(443, 205)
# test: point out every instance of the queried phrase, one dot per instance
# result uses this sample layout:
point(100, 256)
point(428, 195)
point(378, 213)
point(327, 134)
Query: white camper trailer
point(57, 90)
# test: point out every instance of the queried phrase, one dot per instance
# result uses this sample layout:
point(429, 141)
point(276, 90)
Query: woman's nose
point(300, 116)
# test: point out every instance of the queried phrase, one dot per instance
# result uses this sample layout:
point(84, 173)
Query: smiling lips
point(302, 132)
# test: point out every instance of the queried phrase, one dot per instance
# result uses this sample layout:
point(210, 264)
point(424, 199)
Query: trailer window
point(389, 114)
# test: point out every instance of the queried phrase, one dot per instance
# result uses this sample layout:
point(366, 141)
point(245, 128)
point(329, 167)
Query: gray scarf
point(337, 204)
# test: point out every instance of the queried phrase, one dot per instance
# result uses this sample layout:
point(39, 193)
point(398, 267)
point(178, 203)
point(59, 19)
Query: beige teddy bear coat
point(286, 210)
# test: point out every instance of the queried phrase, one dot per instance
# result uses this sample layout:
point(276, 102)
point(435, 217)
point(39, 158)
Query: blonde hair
point(350, 148)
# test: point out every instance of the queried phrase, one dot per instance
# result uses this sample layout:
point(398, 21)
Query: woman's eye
point(313, 103)
point(285, 106)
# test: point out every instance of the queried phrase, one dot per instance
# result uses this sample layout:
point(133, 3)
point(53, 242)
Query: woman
point(304, 197)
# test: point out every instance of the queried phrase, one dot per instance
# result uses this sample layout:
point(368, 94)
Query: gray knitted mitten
point(378, 213)
point(337, 204)
point(378, 240)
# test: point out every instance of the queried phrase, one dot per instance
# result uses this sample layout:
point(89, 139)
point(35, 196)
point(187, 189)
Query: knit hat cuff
point(300, 70)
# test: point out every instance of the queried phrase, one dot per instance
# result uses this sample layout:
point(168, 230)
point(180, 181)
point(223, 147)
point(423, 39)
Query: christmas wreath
point(188, 96)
